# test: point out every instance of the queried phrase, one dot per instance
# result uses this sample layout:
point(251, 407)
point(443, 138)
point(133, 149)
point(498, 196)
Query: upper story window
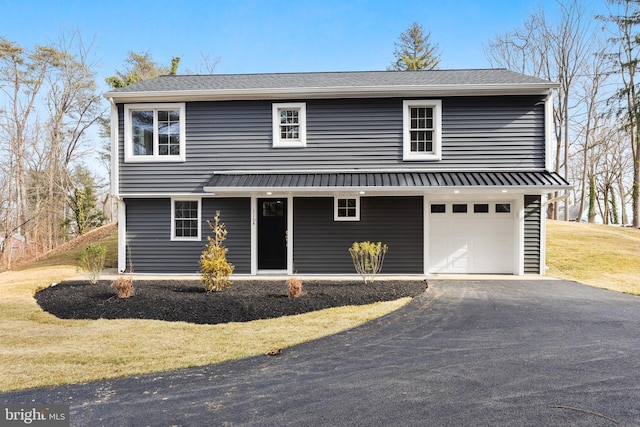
point(289, 125)
point(422, 129)
point(154, 132)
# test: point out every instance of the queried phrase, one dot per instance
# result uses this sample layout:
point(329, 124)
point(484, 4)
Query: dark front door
point(272, 234)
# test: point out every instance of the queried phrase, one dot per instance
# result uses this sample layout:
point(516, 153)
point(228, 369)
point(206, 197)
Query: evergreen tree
point(139, 67)
point(414, 51)
point(82, 202)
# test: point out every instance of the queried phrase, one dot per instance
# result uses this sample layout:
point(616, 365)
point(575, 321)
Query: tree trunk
point(592, 199)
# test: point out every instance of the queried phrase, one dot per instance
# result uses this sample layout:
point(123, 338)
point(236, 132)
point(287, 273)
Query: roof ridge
point(286, 73)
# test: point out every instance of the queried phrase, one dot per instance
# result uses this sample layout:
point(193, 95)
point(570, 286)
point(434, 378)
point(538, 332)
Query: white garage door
point(471, 237)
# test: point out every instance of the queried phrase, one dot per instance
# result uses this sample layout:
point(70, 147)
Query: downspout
point(548, 165)
point(115, 189)
point(548, 130)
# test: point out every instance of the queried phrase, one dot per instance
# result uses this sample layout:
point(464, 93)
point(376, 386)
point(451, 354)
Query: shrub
point(91, 259)
point(214, 268)
point(367, 259)
point(124, 287)
point(295, 287)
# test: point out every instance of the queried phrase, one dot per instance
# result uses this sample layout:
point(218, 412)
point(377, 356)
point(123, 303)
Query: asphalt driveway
point(481, 353)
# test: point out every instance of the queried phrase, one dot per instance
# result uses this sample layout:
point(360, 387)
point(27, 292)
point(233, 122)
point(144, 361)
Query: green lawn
point(37, 349)
point(596, 255)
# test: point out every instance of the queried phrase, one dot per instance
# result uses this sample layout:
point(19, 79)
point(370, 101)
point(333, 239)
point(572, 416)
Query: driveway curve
point(481, 353)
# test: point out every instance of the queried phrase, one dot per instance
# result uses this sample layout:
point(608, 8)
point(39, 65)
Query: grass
point(596, 255)
point(38, 349)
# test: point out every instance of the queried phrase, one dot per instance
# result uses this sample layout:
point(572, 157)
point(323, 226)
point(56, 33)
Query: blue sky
point(262, 36)
point(267, 36)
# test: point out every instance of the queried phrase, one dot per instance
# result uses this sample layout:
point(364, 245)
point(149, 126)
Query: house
point(448, 168)
point(13, 247)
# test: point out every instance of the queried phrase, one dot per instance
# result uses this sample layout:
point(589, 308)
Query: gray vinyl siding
point(149, 235)
point(532, 234)
point(321, 244)
point(501, 132)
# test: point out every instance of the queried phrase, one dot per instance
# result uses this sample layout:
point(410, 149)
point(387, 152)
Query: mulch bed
point(187, 301)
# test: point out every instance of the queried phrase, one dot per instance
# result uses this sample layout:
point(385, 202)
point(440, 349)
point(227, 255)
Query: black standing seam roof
point(385, 179)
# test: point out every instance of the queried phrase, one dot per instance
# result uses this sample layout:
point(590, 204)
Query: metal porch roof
point(405, 181)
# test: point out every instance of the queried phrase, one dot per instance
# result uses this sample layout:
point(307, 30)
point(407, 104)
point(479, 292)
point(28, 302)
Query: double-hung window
point(422, 129)
point(185, 219)
point(346, 208)
point(289, 124)
point(154, 132)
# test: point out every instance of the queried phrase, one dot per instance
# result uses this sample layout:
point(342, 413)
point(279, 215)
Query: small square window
point(481, 208)
point(185, 220)
point(346, 209)
point(459, 208)
point(439, 208)
point(503, 208)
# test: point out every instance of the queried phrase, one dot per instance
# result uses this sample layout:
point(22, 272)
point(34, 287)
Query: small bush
point(214, 268)
point(123, 286)
point(367, 259)
point(295, 287)
point(91, 259)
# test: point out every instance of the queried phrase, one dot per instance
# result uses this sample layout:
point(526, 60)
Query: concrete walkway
point(465, 353)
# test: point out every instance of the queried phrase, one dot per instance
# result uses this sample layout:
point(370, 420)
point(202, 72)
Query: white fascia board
point(115, 164)
point(365, 170)
point(160, 195)
point(334, 92)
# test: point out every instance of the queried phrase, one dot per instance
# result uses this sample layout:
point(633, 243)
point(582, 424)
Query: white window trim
point(302, 116)
point(173, 218)
point(129, 157)
point(436, 154)
point(346, 218)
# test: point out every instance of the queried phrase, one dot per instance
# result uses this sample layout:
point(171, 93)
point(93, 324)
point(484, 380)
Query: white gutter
point(335, 92)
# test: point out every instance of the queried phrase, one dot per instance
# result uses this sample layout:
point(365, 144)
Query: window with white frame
point(154, 132)
point(185, 219)
point(289, 124)
point(346, 208)
point(422, 129)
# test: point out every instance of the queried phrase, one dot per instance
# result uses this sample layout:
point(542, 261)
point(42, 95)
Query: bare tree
point(74, 106)
point(209, 64)
point(552, 50)
point(625, 58)
point(590, 90)
point(49, 100)
point(22, 75)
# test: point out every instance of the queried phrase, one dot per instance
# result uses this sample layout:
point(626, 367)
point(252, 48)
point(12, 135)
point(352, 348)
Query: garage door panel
point(471, 242)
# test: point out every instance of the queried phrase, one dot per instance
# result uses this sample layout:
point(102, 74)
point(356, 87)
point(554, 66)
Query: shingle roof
point(334, 82)
point(385, 180)
point(332, 79)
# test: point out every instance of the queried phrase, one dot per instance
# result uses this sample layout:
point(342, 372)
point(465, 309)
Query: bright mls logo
point(34, 415)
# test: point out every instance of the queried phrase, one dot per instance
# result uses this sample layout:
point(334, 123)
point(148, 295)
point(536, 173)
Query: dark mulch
point(186, 301)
